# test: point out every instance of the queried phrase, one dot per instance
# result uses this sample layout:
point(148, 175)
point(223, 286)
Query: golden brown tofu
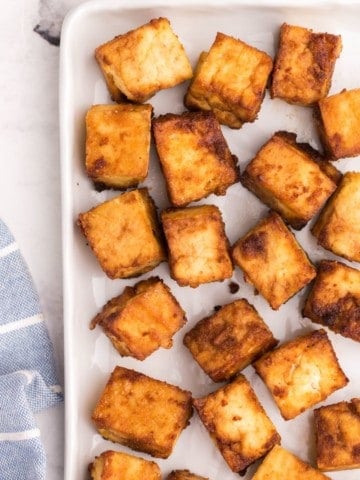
point(112, 465)
point(230, 80)
point(118, 144)
point(287, 177)
point(194, 156)
point(124, 234)
point(304, 65)
point(198, 247)
point(184, 475)
point(338, 123)
point(334, 300)
point(142, 413)
point(141, 319)
point(279, 464)
point(338, 226)
point(301, 373)
point(237, 423)
point(229, 340)
point(143, 61)
point(337, 430)
point(273, 261)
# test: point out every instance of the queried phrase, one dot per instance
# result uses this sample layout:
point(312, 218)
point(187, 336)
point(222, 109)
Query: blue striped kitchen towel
point(28, 381)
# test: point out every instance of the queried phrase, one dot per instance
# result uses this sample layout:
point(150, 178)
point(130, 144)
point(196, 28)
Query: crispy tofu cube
point(142, 318)
point(338, 226)
point(288, 177)
point(337, 430)
point(194, 156)
point(301, 373)
point(230, 80)
point(279, 464)
point(124, 234)
point(112, 465)
point(229, 340)
point(184, 475)
point(198, 247)
point(273, 261)
point(142, 413)
point(334, 300)
point(237, 423)
point(143, 61)
point(338, 123)
point(118, 144)
point(304, 65)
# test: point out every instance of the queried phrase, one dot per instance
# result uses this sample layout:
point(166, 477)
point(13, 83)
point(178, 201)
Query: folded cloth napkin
point(28, 380)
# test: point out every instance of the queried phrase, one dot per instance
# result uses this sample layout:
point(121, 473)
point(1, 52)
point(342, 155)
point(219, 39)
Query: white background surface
point(30, 171)
point(30, 180)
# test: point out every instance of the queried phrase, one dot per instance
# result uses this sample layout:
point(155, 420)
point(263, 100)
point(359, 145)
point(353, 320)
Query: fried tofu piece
point(198, 247)
point(334, 300)
point(229, 340)
point(230, 80)
point(124, 234)
point(194, 156)
point(301, 373)
point(142, 413)
point(304, 65)
point(273, 261)
point(279, 464)
point(111, 465)
point(143, 61)
point(288, 177)
point(118, 144)
point(184, 475)
point(337, 430)
point(338, 226)
point(338, 124)
point(237, 423)
point(142, 318)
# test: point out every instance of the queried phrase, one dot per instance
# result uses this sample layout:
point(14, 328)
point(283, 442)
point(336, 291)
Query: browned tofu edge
point(342, 315)
point(325, 442)
point(325, 166)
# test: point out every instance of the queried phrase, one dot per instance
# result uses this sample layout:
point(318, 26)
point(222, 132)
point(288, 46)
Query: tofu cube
point(230, 80)
point(338, 123)
point(279, 464)
point(229, 340)
point(288, 177)
point(194, 156)
point(143, 61)
point(304, 65)
point(338, 226)
point(118, 144)
point(141, 319)
point(198, 247)
point(237, 423)
point(337, 430)
point(124, 234)
point(111, 465)
point(301, 373)
point(273, 261)
point(142, 413)
point(334, 300)
point(184, 475)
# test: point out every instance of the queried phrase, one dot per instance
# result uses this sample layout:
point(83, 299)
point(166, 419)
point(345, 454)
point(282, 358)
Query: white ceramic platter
point(89, 356)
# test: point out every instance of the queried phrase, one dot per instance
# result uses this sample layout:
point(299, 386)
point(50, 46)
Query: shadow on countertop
point(51, 15)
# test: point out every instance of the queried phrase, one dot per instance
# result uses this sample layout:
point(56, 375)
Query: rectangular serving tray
point(89, 356)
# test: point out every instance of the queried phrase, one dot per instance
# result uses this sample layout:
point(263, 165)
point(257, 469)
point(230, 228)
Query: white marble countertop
point(30, 201)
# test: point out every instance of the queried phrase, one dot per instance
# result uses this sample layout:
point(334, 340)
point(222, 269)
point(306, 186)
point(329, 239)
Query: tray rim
point(93, 6)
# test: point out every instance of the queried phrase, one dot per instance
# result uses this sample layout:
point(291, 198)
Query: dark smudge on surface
point(46, 35)
point(51, 15)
